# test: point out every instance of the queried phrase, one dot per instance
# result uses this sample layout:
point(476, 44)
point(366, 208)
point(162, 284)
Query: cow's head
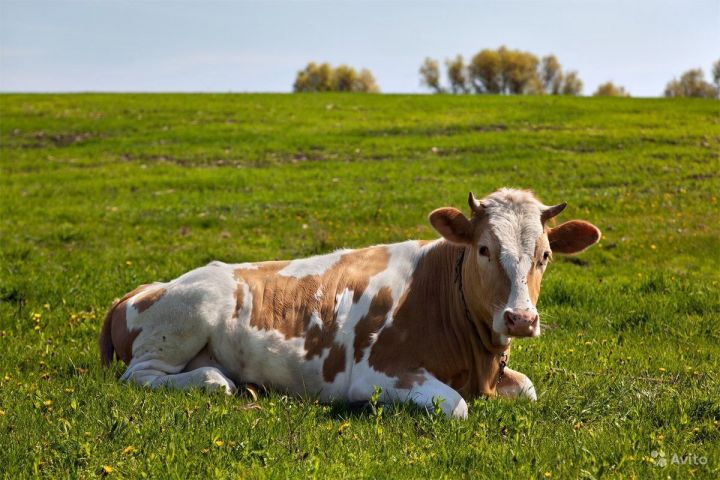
point(509, 244)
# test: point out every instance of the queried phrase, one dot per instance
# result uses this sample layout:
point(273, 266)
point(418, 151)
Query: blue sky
point(172, 45)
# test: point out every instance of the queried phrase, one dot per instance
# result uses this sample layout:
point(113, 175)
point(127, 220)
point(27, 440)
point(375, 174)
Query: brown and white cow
point(422, 320)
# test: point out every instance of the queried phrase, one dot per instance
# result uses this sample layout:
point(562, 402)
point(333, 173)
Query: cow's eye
point(485, 251)
point(546, 256)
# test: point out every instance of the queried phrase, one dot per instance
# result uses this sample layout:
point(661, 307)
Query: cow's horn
point(553, 211)
point(475, 205)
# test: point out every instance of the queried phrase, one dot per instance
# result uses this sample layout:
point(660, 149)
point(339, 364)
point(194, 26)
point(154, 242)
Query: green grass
point(100, 193)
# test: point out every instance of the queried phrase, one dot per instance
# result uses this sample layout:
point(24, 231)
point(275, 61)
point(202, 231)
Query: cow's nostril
point(535, 319)
point(509, 318)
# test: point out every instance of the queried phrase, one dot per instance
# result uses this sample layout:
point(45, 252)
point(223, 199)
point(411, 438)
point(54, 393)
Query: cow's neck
point(472, 360)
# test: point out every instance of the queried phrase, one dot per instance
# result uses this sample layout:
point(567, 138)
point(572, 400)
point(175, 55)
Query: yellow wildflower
point(129, 450)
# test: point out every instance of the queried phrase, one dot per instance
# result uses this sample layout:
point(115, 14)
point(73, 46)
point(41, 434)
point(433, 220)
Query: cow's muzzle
point(521, 323)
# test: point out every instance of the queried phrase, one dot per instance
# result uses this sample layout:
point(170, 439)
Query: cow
point(427, 322)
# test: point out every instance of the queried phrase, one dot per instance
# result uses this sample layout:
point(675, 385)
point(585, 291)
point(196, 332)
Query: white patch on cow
point(514, 218)
point(423, 394)
point(522, 386)
point(315, 321)
point(311, 266)
point(319, 294)
point(178, 327)
point(343, 304)
point(527, 389)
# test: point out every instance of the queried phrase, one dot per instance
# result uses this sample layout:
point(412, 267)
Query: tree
point(344, 79)
point(457, 75)
point(691, 84)
point(314, 78)
point(430, 75)
point(324, 78)
point(609, 89)
point(484, 71)
point(572, 85)
point(506, 72)
point(366, 82)
point(716, 76)
point(551, 74)
point(518, 70)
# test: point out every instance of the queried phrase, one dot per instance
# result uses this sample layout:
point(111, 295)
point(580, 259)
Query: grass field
point(99, 193)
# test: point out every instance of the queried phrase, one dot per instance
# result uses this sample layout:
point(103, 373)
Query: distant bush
point(457, 73)
point(692, 84)
point(609, 89)
point(572, 85)
point(503, 71)
point(325, 78)
point(486, 71)
point(430, 75)
point(551, 75)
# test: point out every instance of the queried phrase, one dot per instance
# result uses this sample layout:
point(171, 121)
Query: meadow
point(100, 193)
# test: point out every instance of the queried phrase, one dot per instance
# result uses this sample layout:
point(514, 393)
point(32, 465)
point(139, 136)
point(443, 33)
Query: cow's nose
point(520, 323)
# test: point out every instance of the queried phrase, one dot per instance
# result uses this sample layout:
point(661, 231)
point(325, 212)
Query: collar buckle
point(503, 363)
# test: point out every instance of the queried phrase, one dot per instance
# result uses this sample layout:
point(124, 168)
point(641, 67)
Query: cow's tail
point(106, 345)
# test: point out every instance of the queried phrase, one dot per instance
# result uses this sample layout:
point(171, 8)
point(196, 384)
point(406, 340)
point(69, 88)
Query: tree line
point(500, 71)
point(692, 84)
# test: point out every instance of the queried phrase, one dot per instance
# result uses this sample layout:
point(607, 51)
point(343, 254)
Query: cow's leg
point(174, 333)
point(516, 385)
point(155, 374)
point(424, 390)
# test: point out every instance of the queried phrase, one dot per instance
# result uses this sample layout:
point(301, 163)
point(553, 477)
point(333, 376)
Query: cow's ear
point(452, 224)
point(573, 236)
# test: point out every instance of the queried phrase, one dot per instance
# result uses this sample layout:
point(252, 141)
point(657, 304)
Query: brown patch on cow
point(334, 363)
point(372, 321)
point(239, 297)
point(122, 337)
point(318, 338)
point(147, 300)
point(431, 332)
point(533, 281)
point(409, 379)
point(287, 304)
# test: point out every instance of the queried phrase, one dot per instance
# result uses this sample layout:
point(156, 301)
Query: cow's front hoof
point(527, 390)
point(460, 410)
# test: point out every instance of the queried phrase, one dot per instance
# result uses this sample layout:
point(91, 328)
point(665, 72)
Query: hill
point(103, 192)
